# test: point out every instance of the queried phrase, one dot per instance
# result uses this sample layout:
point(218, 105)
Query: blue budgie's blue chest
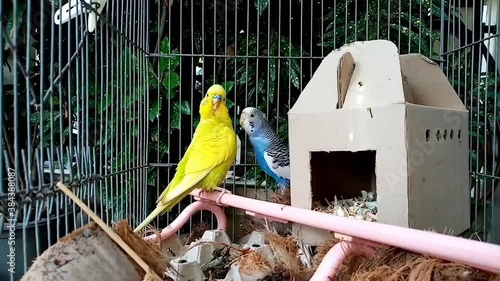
point(260, 145)
point(272, 159)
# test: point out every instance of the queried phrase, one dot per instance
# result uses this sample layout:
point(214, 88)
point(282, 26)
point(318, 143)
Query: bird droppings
point(363, 207)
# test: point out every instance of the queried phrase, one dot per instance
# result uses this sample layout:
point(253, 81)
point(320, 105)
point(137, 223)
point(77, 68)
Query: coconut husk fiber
point(394, 264)
point(280, 261)
point(97, 252)
point(247, 226)
point(196, 233)
point(281, 197)
point(150, 252)
point(254, 263)
point(88, 253)
point(286, 258)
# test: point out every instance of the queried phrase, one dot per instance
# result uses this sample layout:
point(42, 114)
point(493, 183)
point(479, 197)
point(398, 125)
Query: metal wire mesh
point(74, 106)
point(471, 51)
point(264, 53)
point(112, 111)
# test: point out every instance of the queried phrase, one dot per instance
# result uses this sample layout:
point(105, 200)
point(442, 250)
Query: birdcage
point(103, 96)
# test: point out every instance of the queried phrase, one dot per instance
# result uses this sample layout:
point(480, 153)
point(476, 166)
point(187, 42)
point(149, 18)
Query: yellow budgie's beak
point(216, 101)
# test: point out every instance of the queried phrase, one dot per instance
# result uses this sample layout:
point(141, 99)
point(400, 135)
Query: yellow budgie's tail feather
point(152, 216)
point(161, 209)
point(164, 192)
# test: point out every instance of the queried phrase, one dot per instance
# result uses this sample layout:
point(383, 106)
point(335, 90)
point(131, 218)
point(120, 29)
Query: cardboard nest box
point(371, 119)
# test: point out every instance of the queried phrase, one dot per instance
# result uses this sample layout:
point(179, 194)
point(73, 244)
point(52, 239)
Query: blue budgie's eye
point(251, 115)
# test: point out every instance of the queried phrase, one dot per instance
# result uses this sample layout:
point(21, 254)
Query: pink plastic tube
point(476, 254)
point(332, 261)
point(186, 214)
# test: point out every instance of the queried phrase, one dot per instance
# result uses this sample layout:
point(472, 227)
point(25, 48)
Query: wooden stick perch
point(150, 274)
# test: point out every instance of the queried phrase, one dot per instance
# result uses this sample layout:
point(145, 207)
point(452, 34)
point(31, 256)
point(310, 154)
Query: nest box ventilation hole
point(443, 135)
point(341, 173)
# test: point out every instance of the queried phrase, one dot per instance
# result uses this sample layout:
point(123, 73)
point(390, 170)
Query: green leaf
point(15, 19)
point(152, 177)
point(229, 103)
point(154, 112)
point(168, 63)
point(261, 5)
point(196, 122)
point(36, 116)
point(154, 135)
point(165, 46)
point(163, 148)
point(175, 60)
point(107, 102)
point(185, 107)
point(228, 86)
point(272, 78)
point(153, 78)
point(135, 130)
point(129, 63)
point(170, 82)
point(134, 96)
point(175, 117)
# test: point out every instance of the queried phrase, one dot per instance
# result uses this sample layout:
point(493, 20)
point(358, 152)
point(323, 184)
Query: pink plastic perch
point(333, 259)
point(186, 214)
point(476, 254)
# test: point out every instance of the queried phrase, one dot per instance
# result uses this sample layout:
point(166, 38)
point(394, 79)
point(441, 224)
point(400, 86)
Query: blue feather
point(260, 146)
point(271, 153)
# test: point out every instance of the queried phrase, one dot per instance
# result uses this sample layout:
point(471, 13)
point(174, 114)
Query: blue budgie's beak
point(216, 101)
point(243, 117)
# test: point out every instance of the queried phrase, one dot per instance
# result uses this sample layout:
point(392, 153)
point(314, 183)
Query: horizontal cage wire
point(111, 110)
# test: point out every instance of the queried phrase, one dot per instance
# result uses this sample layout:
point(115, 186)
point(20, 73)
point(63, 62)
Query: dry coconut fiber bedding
point(147, 262)
point(392, 264)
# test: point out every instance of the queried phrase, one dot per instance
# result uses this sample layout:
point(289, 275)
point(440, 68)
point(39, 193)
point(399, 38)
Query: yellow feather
point(208, 158)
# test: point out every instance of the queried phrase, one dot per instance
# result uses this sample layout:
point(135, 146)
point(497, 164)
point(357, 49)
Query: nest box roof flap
point(428, 84)
point(352, 77)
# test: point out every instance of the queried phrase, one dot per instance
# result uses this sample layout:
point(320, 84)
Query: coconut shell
point(86, 254)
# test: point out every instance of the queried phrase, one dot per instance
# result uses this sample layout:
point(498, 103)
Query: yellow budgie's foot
point(222, 192)
point(217, 201)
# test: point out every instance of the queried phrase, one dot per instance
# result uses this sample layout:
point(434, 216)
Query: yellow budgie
point(207, 159)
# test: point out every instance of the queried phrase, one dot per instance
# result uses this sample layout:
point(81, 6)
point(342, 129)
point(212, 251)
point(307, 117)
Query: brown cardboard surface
point(345, 71)
point(372, 139)
point(428, 84)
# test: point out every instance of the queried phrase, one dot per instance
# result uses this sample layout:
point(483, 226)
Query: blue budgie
point(272, 154)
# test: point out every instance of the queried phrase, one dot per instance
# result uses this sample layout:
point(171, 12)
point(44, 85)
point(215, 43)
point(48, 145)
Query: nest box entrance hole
point(341, 173)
